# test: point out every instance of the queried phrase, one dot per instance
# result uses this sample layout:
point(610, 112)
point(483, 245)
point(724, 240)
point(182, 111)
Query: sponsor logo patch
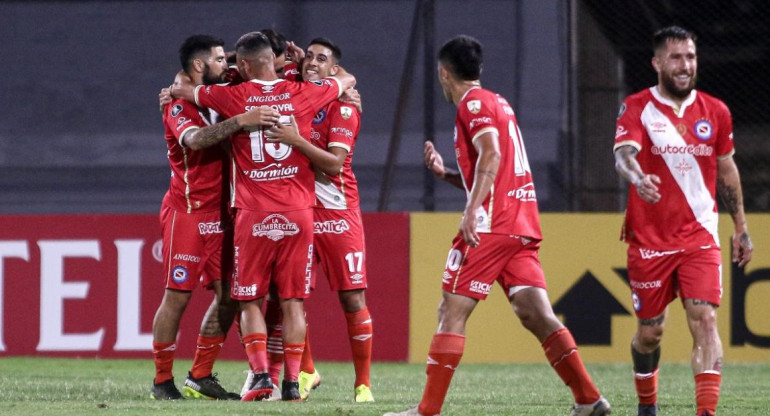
point(480, 287)
point(330, 227)
point(187, 257)
point(636, 301)
point(319, 117)
point(176, 109)
point(275, 227)
point(622, 110)
point(346, 112)
point(209, 228)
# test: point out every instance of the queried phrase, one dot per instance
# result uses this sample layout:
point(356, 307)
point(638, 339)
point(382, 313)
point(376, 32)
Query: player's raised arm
point(435, 163)
point(262, 116)
point(345, 79)
point(329, 162)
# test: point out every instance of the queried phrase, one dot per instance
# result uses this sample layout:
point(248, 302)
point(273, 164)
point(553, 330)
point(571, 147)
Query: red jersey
point(682, 148)
point(511, 206)
point(270, 176)
point(337, 126)
point(196, 175)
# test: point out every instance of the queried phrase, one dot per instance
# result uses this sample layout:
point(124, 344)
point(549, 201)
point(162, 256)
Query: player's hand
point(647, 188)
point(352, 97)
point(742, 248)
point(468, 228)
point(294, 52)
point(284, 133)
point(262, 116)
point(164, 97)
point(433, 160)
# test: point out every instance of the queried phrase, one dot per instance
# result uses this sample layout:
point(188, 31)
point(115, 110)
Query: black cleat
point(260, 388)
point(165, 391)
point(647, 410)
point(290, 391)
point(206, 388)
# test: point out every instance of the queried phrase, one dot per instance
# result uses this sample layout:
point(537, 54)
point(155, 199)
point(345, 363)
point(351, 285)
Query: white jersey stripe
point(684, 169)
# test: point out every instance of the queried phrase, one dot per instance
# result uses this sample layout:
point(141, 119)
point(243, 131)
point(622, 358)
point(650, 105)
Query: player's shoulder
point(180, 108)
point(711, 101)
point(639, 98)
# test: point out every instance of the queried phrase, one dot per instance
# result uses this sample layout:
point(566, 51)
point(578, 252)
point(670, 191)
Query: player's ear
point(656, 63)
point(334, 70)
point(198, 64)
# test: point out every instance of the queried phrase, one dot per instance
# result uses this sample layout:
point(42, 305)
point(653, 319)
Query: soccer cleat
point(307, 382)
point(275, 395)
point(165, 391)
point(247, 383)
point(290, 391)
point(363, 394)
point(647, 410)
point(260, 388)
point(206, 388)
point(411, 412)
point(600, 407)
point(706, 413)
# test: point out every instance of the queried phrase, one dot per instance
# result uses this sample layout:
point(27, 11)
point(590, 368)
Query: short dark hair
point(277, 40)
point(326, 42)
point(195, 46)
point(672, 32)
point(463, 56)
point(252, 43)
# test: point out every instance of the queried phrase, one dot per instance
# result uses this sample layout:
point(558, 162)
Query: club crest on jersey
point(474, 106)
point(319, 117)
point(176, 109)
point(681, 129)
point(179, 274)
point(346, 112)
point(275, 227)
point(703, 129)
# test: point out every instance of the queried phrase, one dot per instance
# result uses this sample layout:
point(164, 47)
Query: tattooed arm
point(729, 190)
point(197, 139)
point(630, 170)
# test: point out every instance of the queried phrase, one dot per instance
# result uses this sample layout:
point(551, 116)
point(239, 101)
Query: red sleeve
point(320, 93)
point(344, 122)
point(221, 98)
point(291, 71)
point(478, 115)
point(182, 116)
point(628, 127)
point(724, 140)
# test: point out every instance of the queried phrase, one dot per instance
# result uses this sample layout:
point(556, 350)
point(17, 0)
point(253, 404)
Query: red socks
point(273, 318)
point(561, 351)
point(444, 355)
point(307, 365)
point(205, 354)
point(360, 333)
point(707, 392)
point(292, 355)
point(256, 351)
point(647, 387)
point(163, 353)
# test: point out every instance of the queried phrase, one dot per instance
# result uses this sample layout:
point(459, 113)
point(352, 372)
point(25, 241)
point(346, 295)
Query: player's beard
point(209, 79)
point(669, 83)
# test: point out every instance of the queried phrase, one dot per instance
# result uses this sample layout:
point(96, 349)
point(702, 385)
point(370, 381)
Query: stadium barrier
point(88, 285)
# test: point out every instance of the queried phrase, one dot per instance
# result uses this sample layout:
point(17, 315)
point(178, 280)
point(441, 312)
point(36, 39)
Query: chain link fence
point(613, 60)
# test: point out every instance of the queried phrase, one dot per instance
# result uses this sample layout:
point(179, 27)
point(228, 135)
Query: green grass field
point(42, 386)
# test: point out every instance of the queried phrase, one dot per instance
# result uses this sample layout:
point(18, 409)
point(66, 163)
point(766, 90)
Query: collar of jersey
point(273, 82)
point(469, 90)
point(663, 100)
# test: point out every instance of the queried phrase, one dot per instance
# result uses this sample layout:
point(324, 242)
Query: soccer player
point(194, 219)
point(499, 235)
point(274, 196)
point(339, 235)
point(674, 145)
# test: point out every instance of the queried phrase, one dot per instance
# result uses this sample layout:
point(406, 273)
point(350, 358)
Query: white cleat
point(600, 407)
point(411, 412)
point(275, 395)
point(247, 383)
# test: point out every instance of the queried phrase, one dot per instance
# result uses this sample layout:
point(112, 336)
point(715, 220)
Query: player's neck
point(462, 87)
point(677, 101)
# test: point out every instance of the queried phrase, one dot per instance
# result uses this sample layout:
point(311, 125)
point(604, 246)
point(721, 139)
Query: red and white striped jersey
point(196, 175)
point(511, 206)
point(681, 146)
point(337, 125)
